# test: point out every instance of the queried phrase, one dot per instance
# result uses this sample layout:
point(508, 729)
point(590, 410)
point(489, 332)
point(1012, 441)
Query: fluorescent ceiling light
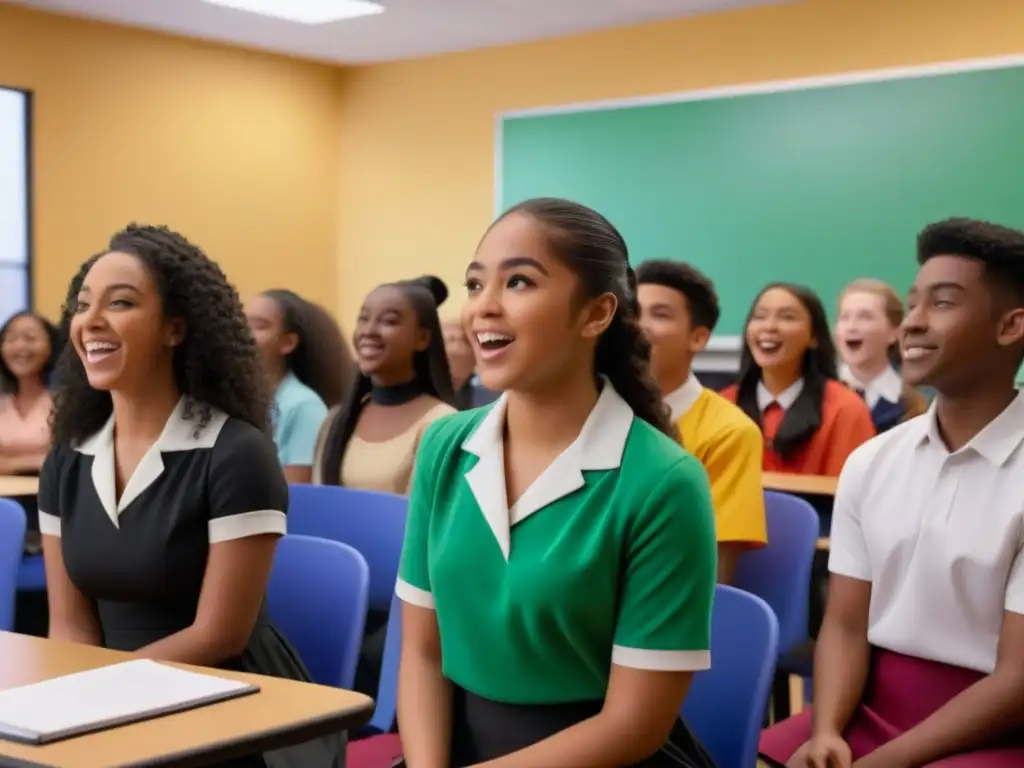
point(305, 11)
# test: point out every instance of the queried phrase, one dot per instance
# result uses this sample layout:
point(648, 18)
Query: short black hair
point(999, 248)
point(688, 280)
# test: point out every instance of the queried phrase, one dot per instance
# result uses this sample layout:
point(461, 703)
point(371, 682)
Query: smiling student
point(920, 659)
point(162, 500)
point(678, 311)
point(788, 385)
point(867, 334)
point(559, 560)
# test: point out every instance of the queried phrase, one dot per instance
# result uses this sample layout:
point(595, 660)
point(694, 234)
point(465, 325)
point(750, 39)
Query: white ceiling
point(408, 29)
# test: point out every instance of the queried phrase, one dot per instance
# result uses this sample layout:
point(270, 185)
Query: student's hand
point(826, 750)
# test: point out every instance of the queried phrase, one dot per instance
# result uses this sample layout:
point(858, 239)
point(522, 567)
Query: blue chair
point(32, 574)
point(386, 711)
point(780, 573)
point(317, 597)
point(725, 705)
point(12, 541)
point(372, 522)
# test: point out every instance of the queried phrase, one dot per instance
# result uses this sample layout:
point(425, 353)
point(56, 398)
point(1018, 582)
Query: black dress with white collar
point(141, 558)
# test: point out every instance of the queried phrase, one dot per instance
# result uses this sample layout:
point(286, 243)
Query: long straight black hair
point(425, 295)
point(803, 418)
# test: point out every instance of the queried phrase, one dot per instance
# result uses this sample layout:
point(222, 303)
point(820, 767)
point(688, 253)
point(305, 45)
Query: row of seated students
point(612, 499)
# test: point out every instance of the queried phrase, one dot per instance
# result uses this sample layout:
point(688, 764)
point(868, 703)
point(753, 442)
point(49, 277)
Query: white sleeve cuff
point(258, 523)
point(414, 595)
point(661, 661)
point(49, 525)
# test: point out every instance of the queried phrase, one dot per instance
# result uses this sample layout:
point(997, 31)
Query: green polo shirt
point(609, 557)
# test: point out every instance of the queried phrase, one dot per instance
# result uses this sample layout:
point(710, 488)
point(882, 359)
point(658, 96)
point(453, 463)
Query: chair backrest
point(372, 522)
point(317, 598)
point(386, 709)
point(12, 542)
point(780, 573)
point(726, 704)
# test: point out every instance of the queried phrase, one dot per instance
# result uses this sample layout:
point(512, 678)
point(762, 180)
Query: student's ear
point(598, 314)
point(175, 333)
point(288, 343)
point(1011, 328)
point(422, 339)
point(699, 338)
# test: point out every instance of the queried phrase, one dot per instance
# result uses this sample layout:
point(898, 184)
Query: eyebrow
point(946, 285)
point(512, 263)
point(114, 287)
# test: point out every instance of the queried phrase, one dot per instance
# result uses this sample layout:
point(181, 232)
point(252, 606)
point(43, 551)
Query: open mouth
point(369, 348)
point(768, 346)
point(493, 344)
point(917, 352)
point(854, 344)
point(98, 351)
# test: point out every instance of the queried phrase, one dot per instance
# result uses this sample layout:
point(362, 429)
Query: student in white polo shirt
point(559, 560)
point(920, 660)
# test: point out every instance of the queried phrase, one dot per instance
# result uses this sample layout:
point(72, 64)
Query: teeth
point(768, 346)
point(484, 338)
point(100, 346)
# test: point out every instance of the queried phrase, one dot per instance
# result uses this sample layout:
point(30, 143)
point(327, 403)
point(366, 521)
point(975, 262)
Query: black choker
point(396, 394)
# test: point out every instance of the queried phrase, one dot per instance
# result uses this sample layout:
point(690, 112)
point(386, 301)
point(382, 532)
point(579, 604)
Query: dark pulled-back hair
point(596, 252)
point(688, 280)
point(425, 294)
point(803, 418)
point(321, 359)
point(999, 248)
point(8, 381)
point(216, 365)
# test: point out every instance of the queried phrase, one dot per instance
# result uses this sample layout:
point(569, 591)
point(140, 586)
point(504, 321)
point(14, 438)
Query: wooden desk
point(814, 485)
point(13, 485)
point(282, 714)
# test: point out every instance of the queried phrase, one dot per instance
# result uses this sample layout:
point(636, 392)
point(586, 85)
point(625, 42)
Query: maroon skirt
point(901, 692)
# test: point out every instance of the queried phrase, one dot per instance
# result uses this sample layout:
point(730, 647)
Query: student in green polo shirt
point(559, 561)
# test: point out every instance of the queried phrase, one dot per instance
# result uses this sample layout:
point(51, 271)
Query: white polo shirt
point(939, 535)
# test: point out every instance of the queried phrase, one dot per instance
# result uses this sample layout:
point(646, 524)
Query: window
point(15, 214)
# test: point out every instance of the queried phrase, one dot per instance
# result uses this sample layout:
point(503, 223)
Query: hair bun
point(436, 286)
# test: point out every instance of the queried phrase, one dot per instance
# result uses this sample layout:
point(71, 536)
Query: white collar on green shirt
point(599, 446)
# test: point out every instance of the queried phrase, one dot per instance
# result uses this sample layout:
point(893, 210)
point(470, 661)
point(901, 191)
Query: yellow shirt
point(729, 445)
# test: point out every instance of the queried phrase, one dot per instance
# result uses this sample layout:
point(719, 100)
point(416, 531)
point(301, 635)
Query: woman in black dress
point(162, 499)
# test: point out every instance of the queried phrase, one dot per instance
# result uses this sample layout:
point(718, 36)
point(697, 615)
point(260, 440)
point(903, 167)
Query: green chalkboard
point(816, 185)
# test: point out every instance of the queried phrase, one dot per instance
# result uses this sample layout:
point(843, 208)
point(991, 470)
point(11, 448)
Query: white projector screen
point(15, 245)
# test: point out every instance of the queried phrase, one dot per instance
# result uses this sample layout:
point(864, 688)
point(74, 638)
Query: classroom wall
point(418, 136)
point(238, 150)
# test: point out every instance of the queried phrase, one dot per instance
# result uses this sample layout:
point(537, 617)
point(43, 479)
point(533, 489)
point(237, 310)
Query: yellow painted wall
point(236, 149)
point(418, 136)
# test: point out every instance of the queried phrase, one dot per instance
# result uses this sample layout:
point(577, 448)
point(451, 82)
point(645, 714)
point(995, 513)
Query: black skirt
point(486, 730)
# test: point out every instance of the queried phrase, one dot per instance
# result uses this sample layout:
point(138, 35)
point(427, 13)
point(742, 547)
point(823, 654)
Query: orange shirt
point(845, 424)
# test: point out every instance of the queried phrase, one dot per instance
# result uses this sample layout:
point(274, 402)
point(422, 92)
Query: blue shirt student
point(298, 414)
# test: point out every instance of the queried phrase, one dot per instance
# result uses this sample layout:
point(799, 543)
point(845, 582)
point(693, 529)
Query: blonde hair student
point(866, 333)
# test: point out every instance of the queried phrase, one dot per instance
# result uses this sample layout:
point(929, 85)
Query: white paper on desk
point(106, 697)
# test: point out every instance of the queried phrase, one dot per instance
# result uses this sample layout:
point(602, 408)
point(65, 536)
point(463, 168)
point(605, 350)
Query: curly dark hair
point(321, 360)
point(803, 418)
point(596, 252)
point(688, 280)
point(425, 295)
point(8, 381)
point(215, 366)
point(999, 248)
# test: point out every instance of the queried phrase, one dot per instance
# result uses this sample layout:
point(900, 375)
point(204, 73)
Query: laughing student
point(678, 311)
point(920, 659)
point(788, 385)
point(867, 334)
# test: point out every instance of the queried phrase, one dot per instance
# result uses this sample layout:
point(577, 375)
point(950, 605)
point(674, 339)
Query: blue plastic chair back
point(386, 711)
point(32, 574)
point(726, 704)
point(317, 598)
point(12, 542)
point(780, 573)
point(372, 522)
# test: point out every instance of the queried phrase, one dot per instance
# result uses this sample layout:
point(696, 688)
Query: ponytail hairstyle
point(914, 403)
point(803, 418)
point(321, 359)
point(595, 251)
point(425, 295)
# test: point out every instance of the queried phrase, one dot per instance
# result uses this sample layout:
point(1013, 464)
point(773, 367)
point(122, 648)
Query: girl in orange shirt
point(788, 384)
